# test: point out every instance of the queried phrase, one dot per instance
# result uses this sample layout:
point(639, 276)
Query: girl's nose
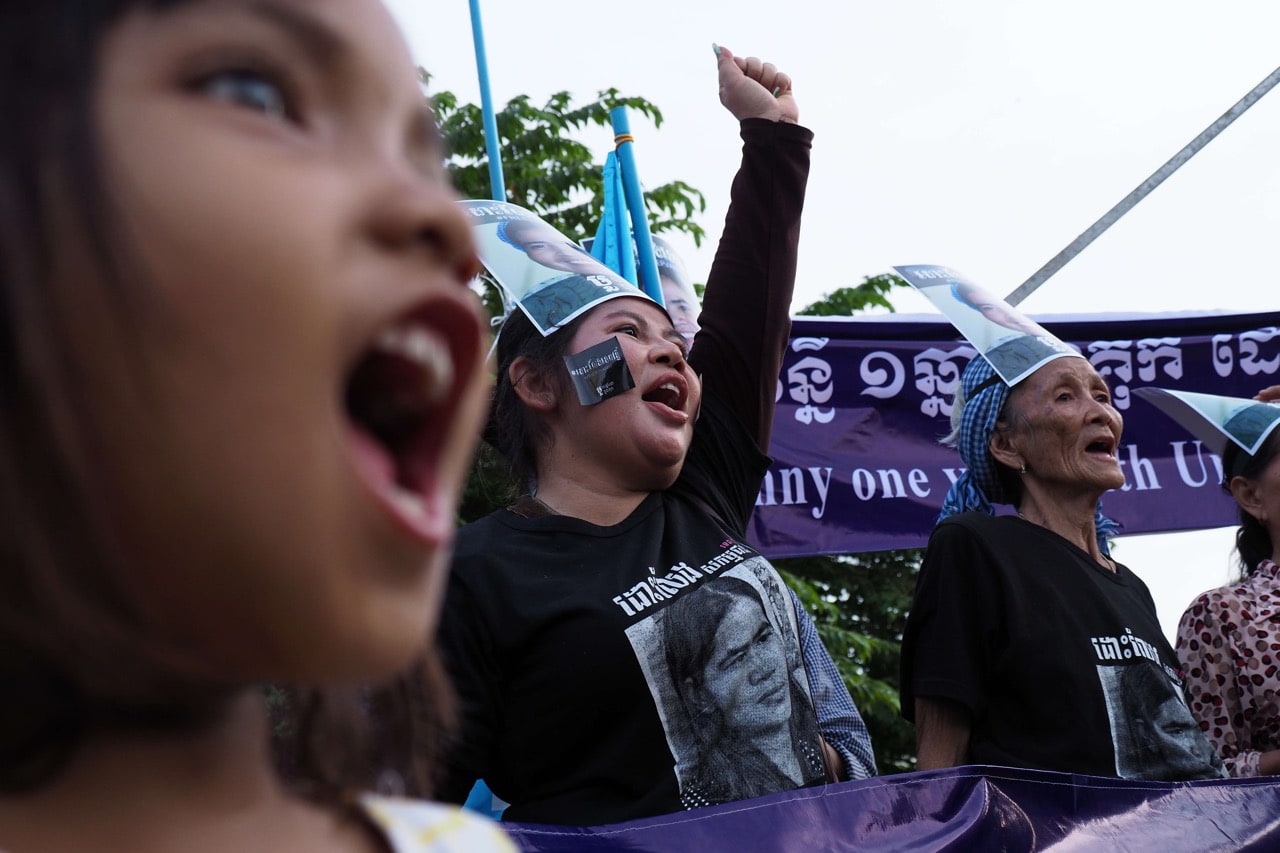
point(419, 214)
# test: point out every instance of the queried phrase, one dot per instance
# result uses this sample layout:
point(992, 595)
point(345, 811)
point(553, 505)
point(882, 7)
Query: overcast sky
point(984, 136)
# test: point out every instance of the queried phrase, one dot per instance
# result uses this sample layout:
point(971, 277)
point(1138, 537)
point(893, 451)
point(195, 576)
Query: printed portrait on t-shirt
point(724, 666)
point(1152, 730)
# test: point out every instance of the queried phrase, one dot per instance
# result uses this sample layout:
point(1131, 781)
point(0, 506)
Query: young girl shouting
point(241, 378)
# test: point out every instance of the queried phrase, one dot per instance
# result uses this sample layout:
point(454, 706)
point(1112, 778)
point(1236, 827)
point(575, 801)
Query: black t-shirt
point(1061, 663)
point(560, 636)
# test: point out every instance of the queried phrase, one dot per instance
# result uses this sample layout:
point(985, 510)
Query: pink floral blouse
point(1229, 649)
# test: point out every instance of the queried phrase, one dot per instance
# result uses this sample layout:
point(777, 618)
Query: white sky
point(983, 135)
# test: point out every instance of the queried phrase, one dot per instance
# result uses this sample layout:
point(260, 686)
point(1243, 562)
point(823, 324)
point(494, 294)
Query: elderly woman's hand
point(751, 88)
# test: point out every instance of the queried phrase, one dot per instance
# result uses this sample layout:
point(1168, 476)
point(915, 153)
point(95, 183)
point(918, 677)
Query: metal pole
point(623, 141)
point(497, 187)
point(1108, 219)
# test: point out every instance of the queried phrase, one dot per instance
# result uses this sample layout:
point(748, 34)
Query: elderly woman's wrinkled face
point(1064, 429)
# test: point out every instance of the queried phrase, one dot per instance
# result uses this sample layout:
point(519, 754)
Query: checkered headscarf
point(982, 398)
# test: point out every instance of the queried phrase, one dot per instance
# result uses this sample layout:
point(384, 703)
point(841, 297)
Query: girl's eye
point(255, 90)
point(629, 330)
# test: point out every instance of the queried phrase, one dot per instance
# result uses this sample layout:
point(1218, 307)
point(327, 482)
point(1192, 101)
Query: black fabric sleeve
point(746, 311)
point(954, 624)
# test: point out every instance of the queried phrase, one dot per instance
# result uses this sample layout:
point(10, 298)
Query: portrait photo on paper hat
point(550, 277)
point(1216, 420)
point(679, 296)
point(1011, 348)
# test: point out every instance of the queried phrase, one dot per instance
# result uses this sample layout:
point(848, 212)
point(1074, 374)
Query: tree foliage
point(546, 170)
point(872, 293)
point(859, 602)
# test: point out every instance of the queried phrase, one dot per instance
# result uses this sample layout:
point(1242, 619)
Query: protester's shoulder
point(417, 826)
point(1220, 602)
point(484, 550)
point(480, 535)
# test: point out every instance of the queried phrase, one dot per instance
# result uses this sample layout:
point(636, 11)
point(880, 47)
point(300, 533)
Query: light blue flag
point(612, 243)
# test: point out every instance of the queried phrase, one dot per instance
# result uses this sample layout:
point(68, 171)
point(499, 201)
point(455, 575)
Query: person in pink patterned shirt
point(1228, 639)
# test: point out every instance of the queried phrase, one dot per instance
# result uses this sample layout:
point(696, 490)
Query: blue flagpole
point(623, 141)
point(497, 186)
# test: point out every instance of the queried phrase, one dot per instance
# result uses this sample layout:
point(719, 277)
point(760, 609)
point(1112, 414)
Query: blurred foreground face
point(290, 419)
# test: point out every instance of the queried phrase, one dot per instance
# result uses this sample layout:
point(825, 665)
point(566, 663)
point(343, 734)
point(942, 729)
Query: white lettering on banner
point(1224, 360)
point(1249, 345)
point(882, 382)
point(1184, 468)
point(938, 374)
point(1113, 359)
point(919, 483)
point(888, 483)
point(1143, 474)
point(1151, 351)
point(864, 485)
point(953, 474)
point(1154, 356)
point(810, 382)
point(791, 483)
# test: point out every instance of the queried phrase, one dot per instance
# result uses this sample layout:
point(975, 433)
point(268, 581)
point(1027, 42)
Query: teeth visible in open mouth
point(425, 349)
point(410, 503)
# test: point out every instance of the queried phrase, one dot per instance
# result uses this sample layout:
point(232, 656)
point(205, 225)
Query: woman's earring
point(1023, 469)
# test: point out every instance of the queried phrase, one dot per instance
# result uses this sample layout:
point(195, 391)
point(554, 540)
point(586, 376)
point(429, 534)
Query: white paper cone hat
point(1013, 344)
point(1215, 419)
point(550, 277)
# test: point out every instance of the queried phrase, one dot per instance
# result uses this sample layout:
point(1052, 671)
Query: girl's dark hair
point(75, 657)
point(513, 430)
point(1253, 542)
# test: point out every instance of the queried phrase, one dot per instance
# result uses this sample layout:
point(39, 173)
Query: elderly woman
point(1026, 644)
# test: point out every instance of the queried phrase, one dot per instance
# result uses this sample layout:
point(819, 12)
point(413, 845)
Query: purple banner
point(961, 808)
point(862, 403)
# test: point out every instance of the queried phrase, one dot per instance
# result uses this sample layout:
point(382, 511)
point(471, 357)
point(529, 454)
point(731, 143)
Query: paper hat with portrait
point(670, 264)
point(666, 258)
point(514, 243)
point(1217, 420)
point(1011, 342)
